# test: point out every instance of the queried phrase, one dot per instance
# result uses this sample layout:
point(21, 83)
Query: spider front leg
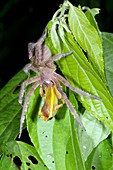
point(69, 105)
point(67, 84)
point(57, 57)
point(31, 47)
point(37, 48)
point(25, 106)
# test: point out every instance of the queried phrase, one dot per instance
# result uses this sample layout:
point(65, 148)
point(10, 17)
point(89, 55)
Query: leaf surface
point(66, 148)
point(10, 109)
point(101, 157)
point(108, 57)
point(40, 131)
point(24, 153)
point(87, 37)
point(94, 134)
point(80, 73)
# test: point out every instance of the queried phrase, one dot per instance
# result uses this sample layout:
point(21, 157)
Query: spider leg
point(30, 67)
point(25, 106)
point(31, 47)
point(64, 97)
point(24, 84)
point(39, 47)
point(58, 56)
point(66, 83)
point(42, 38)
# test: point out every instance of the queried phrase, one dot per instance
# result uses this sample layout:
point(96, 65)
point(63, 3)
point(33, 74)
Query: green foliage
point(29, 156)
point(60, 143)
point(10, 109)
point(108, 55)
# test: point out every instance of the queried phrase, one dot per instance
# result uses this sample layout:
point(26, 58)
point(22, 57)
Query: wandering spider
point(49, 81)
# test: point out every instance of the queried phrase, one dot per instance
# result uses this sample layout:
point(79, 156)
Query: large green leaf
point(87, 37)
point(40, 131)
point(10, 109)
point(23, 154)
point(90, 13)
point(54, 34)
point(55, 138)
point(66, 148)
point(101, 157)
point(56, 141)
point(95, 133)
point(108, 57)
point(7, 163)
point(79, 72)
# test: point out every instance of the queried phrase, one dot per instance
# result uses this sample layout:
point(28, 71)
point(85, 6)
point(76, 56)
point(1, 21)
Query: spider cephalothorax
point(49, 81)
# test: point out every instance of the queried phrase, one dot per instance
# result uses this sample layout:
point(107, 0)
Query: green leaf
point(53, 138)
point(45, 133)
point(55, 39)
point(56, 142)
point(87, 37)
point(10, 109)
point(60, 138)
point(90, 13)
point(7, 163)
point(43, 130)
point(74, 159)
point(24, 153)
point(95, 133)
point(66, 148)
point(101, 157)
point(79, 73)
point(108, 57)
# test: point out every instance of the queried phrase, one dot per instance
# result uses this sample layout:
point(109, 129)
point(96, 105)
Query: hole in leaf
point(66, 152)
point(29, 168)
point(9, 155)
point(93, 167)
point(53, 162)
point(44, 165)
point(17, 161)
point(27, 163)
point(33, 159)
point(46, 136)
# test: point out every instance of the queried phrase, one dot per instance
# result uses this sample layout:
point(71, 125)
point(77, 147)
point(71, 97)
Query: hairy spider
point(43, 64)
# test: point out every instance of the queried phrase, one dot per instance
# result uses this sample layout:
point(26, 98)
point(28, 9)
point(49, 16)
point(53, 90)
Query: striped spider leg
point(36, 82)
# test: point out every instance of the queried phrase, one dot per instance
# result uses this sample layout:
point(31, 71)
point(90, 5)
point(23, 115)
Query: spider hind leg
point(69, 105)
point(25, 106)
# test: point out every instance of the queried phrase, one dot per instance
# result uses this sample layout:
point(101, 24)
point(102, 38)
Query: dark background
point(23, 21)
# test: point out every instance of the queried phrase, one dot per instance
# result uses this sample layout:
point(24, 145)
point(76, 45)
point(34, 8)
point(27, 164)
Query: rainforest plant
point(61, 143)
